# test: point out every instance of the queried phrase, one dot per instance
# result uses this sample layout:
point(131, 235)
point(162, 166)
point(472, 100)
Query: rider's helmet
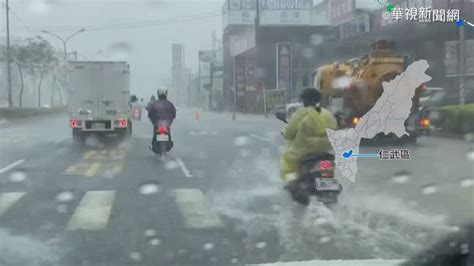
point(310, 96)
point(162, 92)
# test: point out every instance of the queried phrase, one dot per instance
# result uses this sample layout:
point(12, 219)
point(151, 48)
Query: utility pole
point(64, 41)
point(462, 60)
point(9, 70)
point(211, 83)
point(189, 88)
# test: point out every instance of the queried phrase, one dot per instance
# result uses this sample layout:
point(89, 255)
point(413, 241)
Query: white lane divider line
point(8, 199)
point(5, 169)
point(195, 209)
point(261, 138)
point(185, 170)
point(373, 262)
point(93, 211)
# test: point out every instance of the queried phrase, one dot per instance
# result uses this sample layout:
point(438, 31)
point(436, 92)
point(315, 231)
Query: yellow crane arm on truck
point(359, 81)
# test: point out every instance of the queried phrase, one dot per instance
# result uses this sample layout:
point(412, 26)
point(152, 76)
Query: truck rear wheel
point(124, 133)
point(77, 135)
point(129, 129)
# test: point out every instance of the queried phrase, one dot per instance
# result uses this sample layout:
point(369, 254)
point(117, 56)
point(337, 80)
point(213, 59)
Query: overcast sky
point(145, 45)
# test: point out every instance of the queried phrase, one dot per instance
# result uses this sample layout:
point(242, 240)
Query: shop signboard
point(285, 12)
point(239, 12)
point(239, 75)
point(274, 100)
point(357, 26)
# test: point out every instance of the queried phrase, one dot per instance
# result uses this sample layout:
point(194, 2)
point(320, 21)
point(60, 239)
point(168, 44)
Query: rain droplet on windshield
point(469, 137)
point(470, 156)
point(64, 196)
point(234, 260)
point(208, 246)
point(149, 188)
point(150, 232)
point(324, 239)
point(467, 182)
point(182, 252)
point(429, 189)
point(135, 256)
point(261, 245)
point(316, 39)
point(154, 241)
point(17, 177)
point(400, 177)
point(464, 248)
point(241, 141)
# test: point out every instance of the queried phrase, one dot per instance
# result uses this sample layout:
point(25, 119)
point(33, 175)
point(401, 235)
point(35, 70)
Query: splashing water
point(467, 182)
point(65, 196)
point(17, 177)
point(171, 165)
point(316, 39)
point(429, 189)
point(150, 232)
point(20, 250)
point(154, 241)
point(135, 256)
point(208, 246)
point(241, 141)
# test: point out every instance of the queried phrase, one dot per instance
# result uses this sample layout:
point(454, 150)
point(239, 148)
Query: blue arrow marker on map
point(348, 154)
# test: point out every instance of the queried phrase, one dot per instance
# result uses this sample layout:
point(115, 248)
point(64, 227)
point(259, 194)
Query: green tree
point(21, 57)
point(42, 60)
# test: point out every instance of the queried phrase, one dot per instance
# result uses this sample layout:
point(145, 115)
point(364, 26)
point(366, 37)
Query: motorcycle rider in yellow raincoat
point(306, 133)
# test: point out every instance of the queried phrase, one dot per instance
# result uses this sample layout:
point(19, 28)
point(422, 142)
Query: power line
point(21, 21)
point(137, 24)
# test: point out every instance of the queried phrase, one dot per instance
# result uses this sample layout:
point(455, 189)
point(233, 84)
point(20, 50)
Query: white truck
point(99, 95)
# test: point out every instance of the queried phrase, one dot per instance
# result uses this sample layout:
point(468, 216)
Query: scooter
point(137, 113)
point(162, 142)
point(315, 177)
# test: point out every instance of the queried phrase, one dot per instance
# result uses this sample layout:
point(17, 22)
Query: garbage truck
point(99, 98)
point(351, 88)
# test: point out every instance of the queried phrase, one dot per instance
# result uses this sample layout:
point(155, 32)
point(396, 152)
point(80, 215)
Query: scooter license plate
point(162, 138)
point(326, 184)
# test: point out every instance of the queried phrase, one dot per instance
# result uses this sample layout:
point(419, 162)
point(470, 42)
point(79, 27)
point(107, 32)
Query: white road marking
point(261, 138)
point(185, 170)
point(8, 199)
point(5, 169)
point(372, 262)
point(93, 211)
point(195, 209)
